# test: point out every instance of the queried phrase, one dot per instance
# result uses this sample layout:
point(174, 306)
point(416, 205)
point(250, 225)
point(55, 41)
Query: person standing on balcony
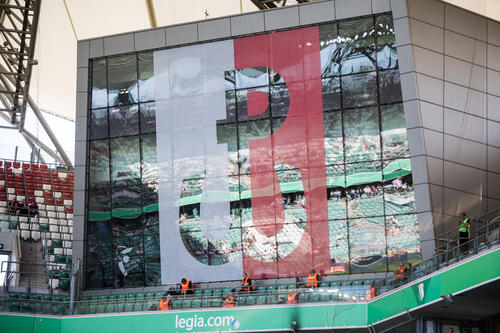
point(292, 297)
point(463, 232)
point(186, 287)
point(246, 283)
point(229, 302)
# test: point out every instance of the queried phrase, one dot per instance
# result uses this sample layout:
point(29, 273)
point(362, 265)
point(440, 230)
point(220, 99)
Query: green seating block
point(128, 307)
point(138, 306)
point(92, 308)
point(110, 307)
point(216, 302)
point(251, 300)
point(304, 297)
point(196, 303)
point(101, 307)
point(315, 297)
point(261, 300)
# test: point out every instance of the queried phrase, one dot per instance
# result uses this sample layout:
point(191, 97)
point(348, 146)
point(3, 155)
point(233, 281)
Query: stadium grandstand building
point(341, 136)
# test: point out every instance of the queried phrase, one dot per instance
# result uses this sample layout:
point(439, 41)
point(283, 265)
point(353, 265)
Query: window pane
point(363, 173)
point(251, 77)
point(280, 100)
point(99, 84)
point(251, 130)
point(241, 103)
point(367, 245)
point(331, 93)
point(152, 260)
point(399, 195)
point(335, 180)
point(386, 42)
point(146, 77)
point(339, 246)
point(129, 261)
point(330, 50)
point(394, 137)
point(358, 45)
point(122, 80)
point(226, 133)
point(126, 201)
point(359, 90)
point(390, 89)
point(99, 204)
point(230, 80)
point(99, 269)
point(334, 140)
point(362, 140)
point(125, 161)
point(99, 164)
point(99, 124)
point(149, 162)
point(403, 240)
point(124, 120)
point(148, 117)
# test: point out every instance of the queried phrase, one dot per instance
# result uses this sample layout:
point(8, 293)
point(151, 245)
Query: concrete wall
point(450, 75)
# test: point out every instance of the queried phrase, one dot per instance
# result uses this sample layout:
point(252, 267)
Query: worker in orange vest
point(400, 274)
point(312, 280)
point(186, 287)
point(165, 303)
point(229, 302)
point(246, 283)
point(292, 298)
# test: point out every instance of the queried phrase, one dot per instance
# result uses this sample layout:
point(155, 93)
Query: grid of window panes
point(371, 207)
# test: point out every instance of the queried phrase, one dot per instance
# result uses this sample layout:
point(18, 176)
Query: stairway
point(31, 252)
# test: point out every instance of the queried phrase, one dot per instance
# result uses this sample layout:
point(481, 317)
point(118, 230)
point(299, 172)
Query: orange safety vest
point(185, 286)
point(229, 302)
point(312, 280)
point(245, 285)
point(400, 273)
point(164, 304)
point(291, 298)
point(370, 293)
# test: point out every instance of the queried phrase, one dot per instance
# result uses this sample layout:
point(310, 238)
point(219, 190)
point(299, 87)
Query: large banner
point(221, 234)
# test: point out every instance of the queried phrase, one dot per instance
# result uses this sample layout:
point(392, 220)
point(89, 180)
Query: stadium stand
point(51, 187)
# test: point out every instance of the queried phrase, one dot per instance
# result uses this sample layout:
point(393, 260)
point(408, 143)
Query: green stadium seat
point(110, 307)
point(196, 303)
point(261, 288)
point(315, 297)
point(368, 282)
point(130, 296)
point(251, 300)
point(272, 299)
point(198, 291)
point(128, 307)
point(186, 304)
point(101, 307)
point(218, 291)
point(150, 295)
point(261, 300)
point(208, 291)
point(336, 284)
point(241, 300)
point(357, 283)
point(216, 302)
point(324, 297)
point(324, 284)
point(304, 297)
point(138, 305)
point(346, 283)
point(82, 308)
point(292, 286)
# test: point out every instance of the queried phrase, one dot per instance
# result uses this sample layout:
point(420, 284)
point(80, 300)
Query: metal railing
point(486, 236)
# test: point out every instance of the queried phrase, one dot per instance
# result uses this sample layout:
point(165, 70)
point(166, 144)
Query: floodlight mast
point(18, 31)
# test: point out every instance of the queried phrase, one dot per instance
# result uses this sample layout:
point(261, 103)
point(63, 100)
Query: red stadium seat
point(10, 176)
point(8, 164)
point(44, 166)
point(19, 178)
point(20, 191)
point(37, 179)
point(45, 173)
point(46, 180)
point(1, 163)
point(11, 183)
point(67, 195)
point(26, 165)
point(30, 191)
point(65, 188)
point(48, 194)
point(27, 172)
point(3, 196)
point(1, 170)
point(64, 181)
point(38, 186)
point(19, 184)
point(28, 178)
point(16, 165)
point(35, 172)
point(2, 189)
point(29, 185)
point(8, 170)
point(34, 166)
point(57, 188)
point(56, 181)
point(49, 201)
point(31, 199)
point(60, 202)
point(71, 176)
point(54, 174)
point(68, 210)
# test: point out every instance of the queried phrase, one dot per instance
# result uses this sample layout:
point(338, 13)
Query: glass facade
point(371, 207)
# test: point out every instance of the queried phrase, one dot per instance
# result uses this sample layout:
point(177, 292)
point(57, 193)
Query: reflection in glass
point(257, 245)
point(339, 246)
point(363, 173)
point(359, 90)
point(386, 42)
point(99, 269)
point(226, 133)
point(149, 162)
point(280, 100)
point(126, 201)
point(146, 77)
point(394, 138)
point(99, 204)
point(148, 117)
point(403, 240)
point(362, 139)
point(331, 93)
point(242, 107)
point(129, 261)
point(99, 84)
point(124, 120)
point(399, 195)
point(251, 131)
point(251, 77)
point(99, 164)
point(98, 124)
point(367, 245)
point(289, 237)
point(330, 50)
point(358, 45)
point(122, 80)
point(390, 89)
point(334, 139)
point(125, 161)
point(230, 80)
point(152, 265)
